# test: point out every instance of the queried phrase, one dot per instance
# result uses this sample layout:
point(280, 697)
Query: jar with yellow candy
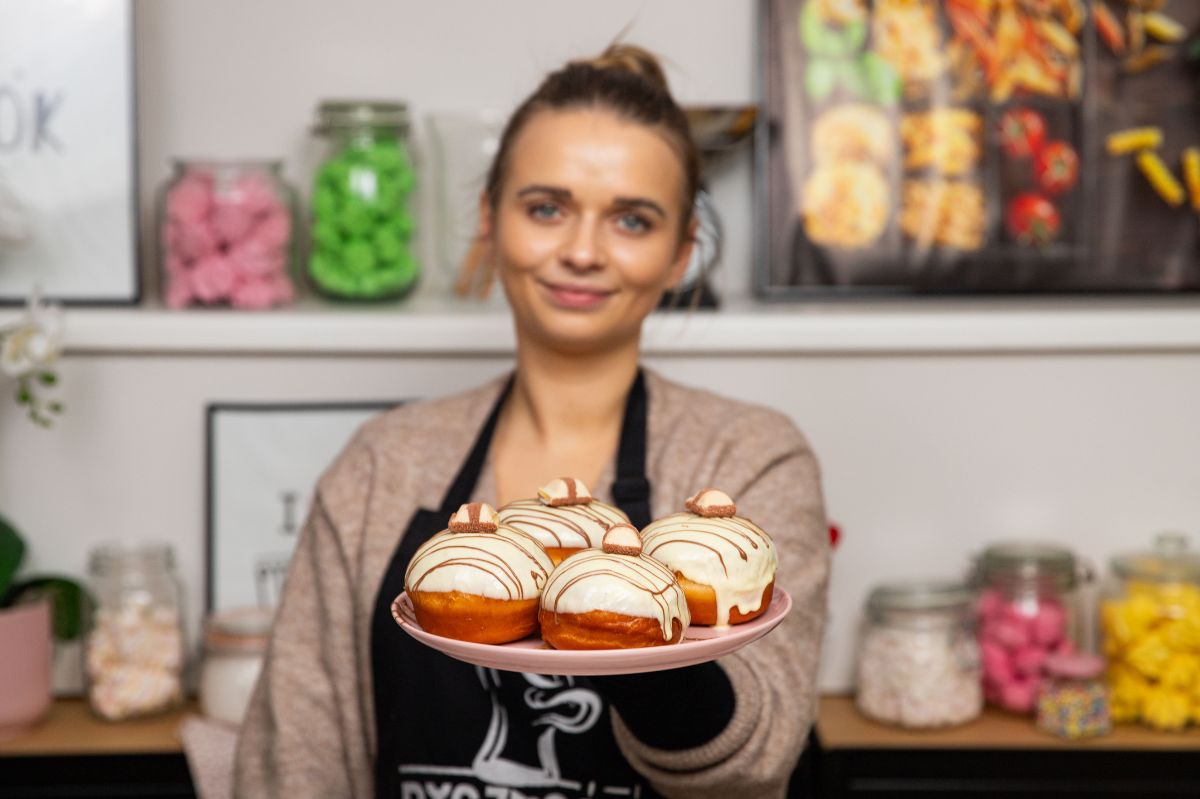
point(1150, 618)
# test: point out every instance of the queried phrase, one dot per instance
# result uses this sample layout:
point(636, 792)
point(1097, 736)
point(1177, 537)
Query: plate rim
point(596, 661)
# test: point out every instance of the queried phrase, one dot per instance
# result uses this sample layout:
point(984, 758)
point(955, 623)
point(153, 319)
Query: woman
point(587, 215)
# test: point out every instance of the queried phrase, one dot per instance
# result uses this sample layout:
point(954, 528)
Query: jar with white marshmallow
point(918, 665)
point(134, 652)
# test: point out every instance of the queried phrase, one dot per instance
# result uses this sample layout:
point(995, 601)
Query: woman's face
point(586, 228)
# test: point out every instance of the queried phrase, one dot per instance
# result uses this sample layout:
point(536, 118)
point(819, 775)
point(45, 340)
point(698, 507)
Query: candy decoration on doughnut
point(725, 563)
point(564, 517)
point(479, 580)
point(622, 539)
point(711, 503)
point(564, 491)
point(613, 598)
point(474, 517)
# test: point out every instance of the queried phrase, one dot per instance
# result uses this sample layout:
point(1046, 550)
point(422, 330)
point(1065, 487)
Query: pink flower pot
point(24, 667)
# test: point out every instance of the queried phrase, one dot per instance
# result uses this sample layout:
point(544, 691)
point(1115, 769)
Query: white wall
point(926, 457)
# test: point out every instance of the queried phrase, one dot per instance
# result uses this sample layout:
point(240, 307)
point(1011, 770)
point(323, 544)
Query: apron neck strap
point(630, 488)
point(463, 486)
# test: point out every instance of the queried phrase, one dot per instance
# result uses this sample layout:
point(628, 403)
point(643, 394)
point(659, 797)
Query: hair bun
point(631, 59)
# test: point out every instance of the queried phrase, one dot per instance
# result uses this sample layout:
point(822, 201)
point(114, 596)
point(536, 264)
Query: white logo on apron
point(559, 707)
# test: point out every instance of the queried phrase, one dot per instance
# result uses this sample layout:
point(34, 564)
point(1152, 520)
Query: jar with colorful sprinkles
point(1072, 698)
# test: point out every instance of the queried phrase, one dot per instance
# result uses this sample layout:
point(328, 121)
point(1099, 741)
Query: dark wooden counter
point(73, 753)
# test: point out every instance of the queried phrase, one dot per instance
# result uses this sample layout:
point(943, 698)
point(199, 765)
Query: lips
point(567, 295)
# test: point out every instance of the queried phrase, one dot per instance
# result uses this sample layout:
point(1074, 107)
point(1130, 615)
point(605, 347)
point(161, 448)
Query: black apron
point(449, 729)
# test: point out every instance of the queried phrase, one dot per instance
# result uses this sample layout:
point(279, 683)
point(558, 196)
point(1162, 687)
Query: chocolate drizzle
point(731, 554)
point(505, 556)
point(596, 580)
point(568, 526)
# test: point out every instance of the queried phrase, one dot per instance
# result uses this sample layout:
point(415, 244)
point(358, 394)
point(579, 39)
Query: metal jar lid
point(1028, 563)
point(1170, 562)
point(350, 114)
point(919, 602)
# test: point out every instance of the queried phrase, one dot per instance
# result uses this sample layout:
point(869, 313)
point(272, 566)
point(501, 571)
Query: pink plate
point(700, 644)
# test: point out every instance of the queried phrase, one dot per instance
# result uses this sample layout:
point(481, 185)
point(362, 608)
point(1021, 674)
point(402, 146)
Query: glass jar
point(227, 235)
point(1072, 700)
point(1150, 618)
point(134, 651)
point(1028, 608)
point(362, 224)
point(235, 642)
point(918, 665)
point(461, 148)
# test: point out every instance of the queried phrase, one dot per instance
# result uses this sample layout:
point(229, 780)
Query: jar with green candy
point(362, 222)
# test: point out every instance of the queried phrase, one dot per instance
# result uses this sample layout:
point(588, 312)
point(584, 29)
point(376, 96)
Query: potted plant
point(31, 610)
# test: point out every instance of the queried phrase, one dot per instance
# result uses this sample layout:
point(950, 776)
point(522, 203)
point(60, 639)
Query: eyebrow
point(559, 193)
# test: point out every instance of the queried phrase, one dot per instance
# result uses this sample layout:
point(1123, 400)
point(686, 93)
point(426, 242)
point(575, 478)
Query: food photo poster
point(978, 147)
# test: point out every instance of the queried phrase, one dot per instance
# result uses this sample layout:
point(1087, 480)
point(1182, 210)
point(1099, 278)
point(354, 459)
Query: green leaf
point(48, 378)
point(56, 407)
point(852, 78)
point(819, 78)
point(71, 602)
point(883, 81)
point(854, 34)
point(12, 552)
point(24, 395)
point(818, 38)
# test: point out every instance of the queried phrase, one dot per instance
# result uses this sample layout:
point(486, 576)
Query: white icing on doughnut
point(505, 564)
point(566, 526)
point(632, 585)
point(731, 554)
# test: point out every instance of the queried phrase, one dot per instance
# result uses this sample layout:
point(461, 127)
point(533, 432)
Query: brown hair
point(624, 79)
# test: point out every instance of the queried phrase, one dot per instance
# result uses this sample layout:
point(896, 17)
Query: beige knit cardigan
point(309, 731)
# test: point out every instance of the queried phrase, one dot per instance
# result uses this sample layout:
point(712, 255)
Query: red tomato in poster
point(1032, 220)
point(1056, 167)
point(1022, 131)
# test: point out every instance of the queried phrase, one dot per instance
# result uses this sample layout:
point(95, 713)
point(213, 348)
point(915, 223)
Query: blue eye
point(633, 223)
point(543, 210)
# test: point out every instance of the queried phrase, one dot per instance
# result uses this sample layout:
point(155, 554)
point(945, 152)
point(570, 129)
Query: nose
point(582, 250)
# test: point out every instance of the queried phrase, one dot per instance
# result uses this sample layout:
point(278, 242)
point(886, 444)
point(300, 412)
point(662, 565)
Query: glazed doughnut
point(564, 517)
point(613, 598)
point(726, 564)
point(478, 580)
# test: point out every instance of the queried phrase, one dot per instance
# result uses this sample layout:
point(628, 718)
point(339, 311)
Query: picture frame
point(976, 229)
point(262, 463)
point(68, 153)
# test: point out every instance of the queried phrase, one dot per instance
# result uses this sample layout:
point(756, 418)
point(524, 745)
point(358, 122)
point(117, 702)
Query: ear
point(684, 256)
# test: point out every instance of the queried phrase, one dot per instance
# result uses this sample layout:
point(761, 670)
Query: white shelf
point(441, 326)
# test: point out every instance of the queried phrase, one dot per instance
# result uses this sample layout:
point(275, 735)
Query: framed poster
point(926, 147)
point(68, 200)
point(263, 462)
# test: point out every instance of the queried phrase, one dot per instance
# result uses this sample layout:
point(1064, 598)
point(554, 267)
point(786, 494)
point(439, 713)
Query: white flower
point(34, 341)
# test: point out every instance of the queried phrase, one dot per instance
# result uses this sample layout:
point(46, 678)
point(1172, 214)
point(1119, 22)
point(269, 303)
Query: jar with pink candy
point(1029, 608)
point(227, 235)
